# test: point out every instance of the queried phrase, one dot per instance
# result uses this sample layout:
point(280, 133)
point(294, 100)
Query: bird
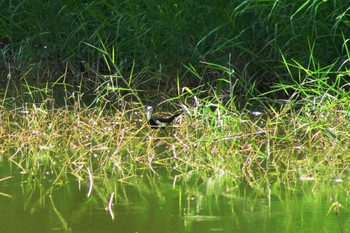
point(158, 122)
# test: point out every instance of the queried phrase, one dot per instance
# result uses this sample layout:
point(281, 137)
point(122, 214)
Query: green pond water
point(151, 203)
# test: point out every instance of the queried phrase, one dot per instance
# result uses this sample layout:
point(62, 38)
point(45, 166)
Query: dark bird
point(158, 122)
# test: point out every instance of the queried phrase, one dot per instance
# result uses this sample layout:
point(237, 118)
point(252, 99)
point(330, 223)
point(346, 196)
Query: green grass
point(77, 76)
point(158, 40)
point(281, 145)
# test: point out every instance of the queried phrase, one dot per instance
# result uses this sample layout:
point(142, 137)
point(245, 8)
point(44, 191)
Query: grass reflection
point(191, 204)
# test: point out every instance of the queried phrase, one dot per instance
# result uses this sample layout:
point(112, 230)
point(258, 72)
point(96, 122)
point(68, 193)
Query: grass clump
point(211, 138)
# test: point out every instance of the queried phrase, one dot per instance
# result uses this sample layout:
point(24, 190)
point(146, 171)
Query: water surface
point(151, 203)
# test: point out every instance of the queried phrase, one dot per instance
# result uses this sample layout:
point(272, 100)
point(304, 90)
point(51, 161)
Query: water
point(150, 203)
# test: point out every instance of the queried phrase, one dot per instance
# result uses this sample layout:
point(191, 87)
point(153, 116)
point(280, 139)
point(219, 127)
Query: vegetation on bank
point(282, 145)
point(154, 41)
point(77, 76)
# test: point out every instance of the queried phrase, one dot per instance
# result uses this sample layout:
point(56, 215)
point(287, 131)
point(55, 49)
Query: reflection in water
point(150, 203)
